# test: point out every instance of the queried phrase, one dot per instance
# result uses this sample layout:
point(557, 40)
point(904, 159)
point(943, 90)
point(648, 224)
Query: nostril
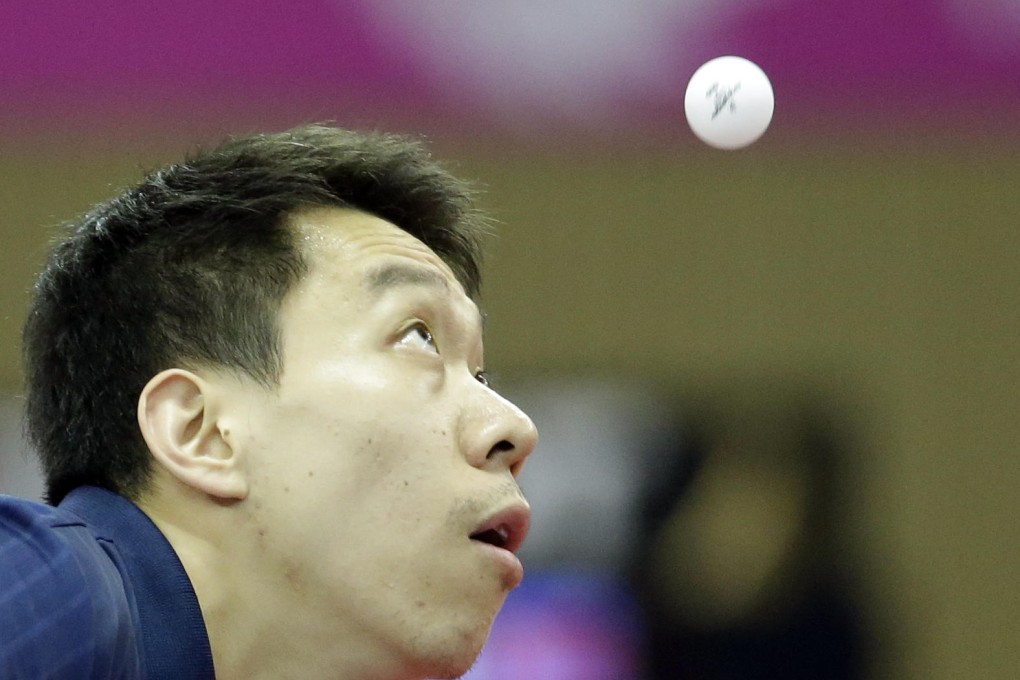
point(500, 447)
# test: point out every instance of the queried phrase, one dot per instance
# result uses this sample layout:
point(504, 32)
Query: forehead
point(339, 241)
point(365, 255)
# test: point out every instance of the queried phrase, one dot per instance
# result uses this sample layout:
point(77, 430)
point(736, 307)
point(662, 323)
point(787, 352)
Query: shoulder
point(63, 612)
point(30, 541)
point(30, 545)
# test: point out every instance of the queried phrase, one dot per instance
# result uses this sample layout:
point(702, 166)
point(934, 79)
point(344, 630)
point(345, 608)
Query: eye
point(483, 377)
point(419, 336)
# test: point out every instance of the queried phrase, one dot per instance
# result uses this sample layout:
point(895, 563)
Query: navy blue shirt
point(92, 589)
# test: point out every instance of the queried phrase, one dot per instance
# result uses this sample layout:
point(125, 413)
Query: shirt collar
point(173, 634)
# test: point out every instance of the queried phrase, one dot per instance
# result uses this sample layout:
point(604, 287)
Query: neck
point(260, 623)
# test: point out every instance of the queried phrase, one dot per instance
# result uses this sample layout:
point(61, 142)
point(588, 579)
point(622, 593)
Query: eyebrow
point(397, 275)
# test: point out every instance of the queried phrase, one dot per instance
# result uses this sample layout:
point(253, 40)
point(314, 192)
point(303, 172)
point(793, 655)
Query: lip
point(514, 521)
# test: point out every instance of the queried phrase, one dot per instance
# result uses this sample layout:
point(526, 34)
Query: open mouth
point(497, 537)
point(506, 529)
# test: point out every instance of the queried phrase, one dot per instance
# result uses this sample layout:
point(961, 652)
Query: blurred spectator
point(743, 576)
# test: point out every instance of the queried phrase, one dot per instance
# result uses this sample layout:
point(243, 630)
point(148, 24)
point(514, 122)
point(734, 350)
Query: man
point(256, 384)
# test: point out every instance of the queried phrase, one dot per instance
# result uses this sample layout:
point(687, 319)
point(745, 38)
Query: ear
point(177, 415)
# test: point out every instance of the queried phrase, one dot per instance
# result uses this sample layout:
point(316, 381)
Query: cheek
point(356, 437)
point(371, 468)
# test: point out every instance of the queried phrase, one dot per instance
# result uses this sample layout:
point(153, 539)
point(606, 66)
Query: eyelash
point(426, 334)
point(480, 376)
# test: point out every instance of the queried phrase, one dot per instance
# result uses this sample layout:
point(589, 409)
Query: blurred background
point(777, 387)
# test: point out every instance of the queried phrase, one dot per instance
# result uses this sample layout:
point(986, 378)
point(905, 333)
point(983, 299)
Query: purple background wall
point(530, 66)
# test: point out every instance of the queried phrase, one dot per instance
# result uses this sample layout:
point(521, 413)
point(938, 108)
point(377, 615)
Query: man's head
point(190, 267)
point(274, 349)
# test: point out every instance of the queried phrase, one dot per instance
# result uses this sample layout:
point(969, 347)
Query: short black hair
point(189, 268)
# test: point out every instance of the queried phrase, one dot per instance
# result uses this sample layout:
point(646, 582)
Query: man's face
point(382, 458)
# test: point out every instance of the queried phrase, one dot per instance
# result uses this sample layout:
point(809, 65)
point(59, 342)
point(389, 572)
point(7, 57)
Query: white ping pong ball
point(729, 102)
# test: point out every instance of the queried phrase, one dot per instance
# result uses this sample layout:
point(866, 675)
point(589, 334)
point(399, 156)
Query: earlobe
point(178, 417)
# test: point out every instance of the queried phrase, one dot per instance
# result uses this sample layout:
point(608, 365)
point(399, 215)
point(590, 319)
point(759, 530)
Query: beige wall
point(887, 276)
point(890, 278)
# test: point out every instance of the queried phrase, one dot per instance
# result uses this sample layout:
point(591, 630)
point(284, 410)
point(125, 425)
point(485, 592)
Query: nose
point(497, 434)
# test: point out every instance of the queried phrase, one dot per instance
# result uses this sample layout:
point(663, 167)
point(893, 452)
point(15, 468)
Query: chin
point(458, 655)
point(447, 666)
point(450, 672)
